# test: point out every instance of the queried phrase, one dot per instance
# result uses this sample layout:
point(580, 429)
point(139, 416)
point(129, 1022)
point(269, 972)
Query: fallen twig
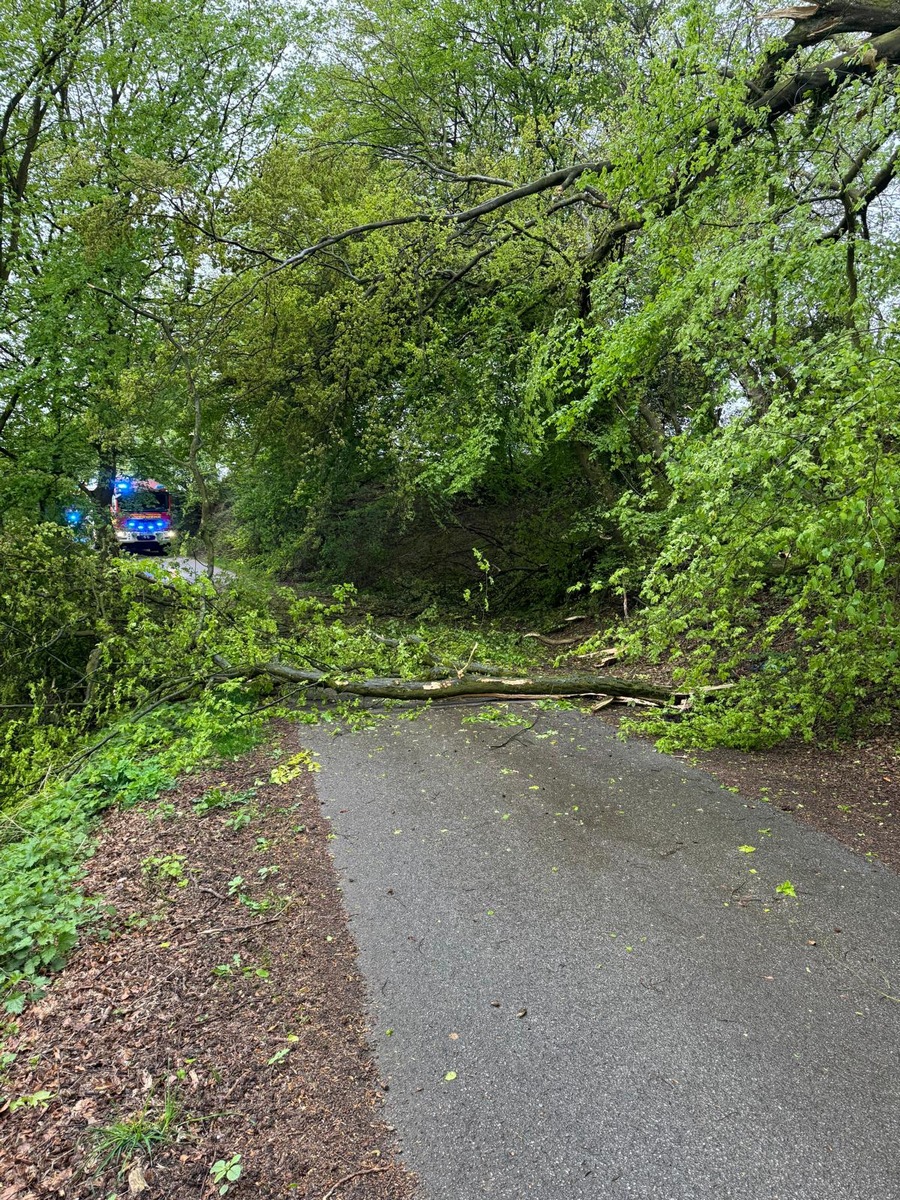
point(218, 895)
point(354, 1175)
point(569, 641)
point(521, 729)
point(241, 928)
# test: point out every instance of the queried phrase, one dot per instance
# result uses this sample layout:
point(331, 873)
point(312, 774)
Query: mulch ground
point(239, 1002)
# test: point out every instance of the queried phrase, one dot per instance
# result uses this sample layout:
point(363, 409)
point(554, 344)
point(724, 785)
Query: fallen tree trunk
point(393, 688)
point(544, 685)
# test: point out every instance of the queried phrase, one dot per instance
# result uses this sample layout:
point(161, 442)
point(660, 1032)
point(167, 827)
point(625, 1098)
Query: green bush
point(780, 567)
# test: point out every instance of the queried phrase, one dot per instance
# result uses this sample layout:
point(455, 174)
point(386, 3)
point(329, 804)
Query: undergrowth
point(47, 839)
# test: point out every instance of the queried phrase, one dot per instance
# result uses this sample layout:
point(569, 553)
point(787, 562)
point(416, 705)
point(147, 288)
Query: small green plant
point(219, 797)
point(238, 967)
point(164, 811)
point(182, 1072)
point(240, 820)
point(162, 870)
point(224, 970)
point(141, 1134)
point(33, 1100)
point(21, 987)
point(268, 902)
point(225, 1172)
point(7, 1058)
point(786, 889)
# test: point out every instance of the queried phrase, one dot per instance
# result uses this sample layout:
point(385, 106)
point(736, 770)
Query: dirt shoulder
point(219, 1010)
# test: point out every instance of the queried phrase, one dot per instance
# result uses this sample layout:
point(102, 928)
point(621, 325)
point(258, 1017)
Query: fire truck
point(142, 516)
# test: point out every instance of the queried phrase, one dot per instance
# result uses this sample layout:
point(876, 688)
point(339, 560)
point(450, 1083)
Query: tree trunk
point(392, 688)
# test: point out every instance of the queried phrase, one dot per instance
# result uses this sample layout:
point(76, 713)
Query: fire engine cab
point(142, 515)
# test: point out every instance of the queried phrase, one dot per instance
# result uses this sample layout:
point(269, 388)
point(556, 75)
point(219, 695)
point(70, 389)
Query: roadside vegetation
point(111, 691)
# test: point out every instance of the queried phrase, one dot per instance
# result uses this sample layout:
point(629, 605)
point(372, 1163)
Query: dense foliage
point(606, 292)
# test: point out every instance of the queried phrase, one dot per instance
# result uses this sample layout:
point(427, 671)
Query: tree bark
point(393, 688)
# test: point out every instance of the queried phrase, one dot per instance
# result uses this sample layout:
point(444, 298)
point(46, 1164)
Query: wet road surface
point(584, 982)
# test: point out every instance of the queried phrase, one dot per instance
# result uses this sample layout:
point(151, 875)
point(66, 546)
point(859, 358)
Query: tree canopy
point(606, 291)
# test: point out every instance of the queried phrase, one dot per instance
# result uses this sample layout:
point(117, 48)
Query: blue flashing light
point(144, 525)
point(73, 516)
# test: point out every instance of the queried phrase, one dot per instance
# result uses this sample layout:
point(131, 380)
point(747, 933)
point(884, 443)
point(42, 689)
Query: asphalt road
point(193, 569)
point(582, 986)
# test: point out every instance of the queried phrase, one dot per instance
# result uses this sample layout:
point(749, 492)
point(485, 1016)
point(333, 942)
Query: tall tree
point(142, 124)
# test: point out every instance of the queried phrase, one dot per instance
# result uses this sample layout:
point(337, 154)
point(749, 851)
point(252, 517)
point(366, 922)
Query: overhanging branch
point(768, 92)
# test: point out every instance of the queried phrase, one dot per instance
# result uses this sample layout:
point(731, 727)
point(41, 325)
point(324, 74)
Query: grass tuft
point(140, 1135)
